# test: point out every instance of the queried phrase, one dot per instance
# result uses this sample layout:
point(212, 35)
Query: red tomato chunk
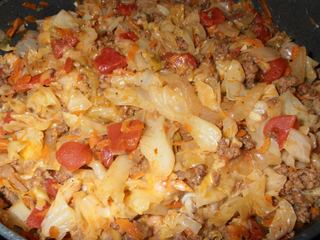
point(129, 36)
point(280, 127)
point(260, 30)
point(125, 136)
point(51, 186)
point(125, 9)
point(277, 69)
point(109, 60)
point(211, 17)
point(74, 155)
point(36, 217)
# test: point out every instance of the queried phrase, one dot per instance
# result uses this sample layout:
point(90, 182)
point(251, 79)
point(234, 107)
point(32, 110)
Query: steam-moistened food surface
point(158, 120)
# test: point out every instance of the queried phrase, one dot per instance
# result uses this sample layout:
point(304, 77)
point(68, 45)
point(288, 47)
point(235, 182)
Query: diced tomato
point(255, 230)
point(126, 9)
point(68, 40)
point(51, 186)
point(7, 118)
point(74, 155)
point(277, 69)
point(280, 127)
point(58, 47)
point(106, 157)
point(68, 66)
point(211, 17)
point(125, 136)
point(129, 36)
point(109, 60)
point(180, 62)
point(36, 217)
point(260, 30)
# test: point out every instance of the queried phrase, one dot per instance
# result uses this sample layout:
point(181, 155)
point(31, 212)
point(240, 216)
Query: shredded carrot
point(16, 73)
point(2, 132)
point(314, 212)
point(3, 145)
point(138, 175)
point(15, 26)
point(54, 232)
point(265, 146)
point(241, 133)
point(45, 152)
point(30, 19)
point(295, 52)
point(175, 205)
point(29, 5)
point(43, 4)
point(153, 43)
point(24, 79)
point(253, 42)
point(94, 139)
point(130, 228)
point(132, 52)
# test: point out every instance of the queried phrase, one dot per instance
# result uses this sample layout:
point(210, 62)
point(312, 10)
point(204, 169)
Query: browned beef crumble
point(226, 151)
point(299, 180)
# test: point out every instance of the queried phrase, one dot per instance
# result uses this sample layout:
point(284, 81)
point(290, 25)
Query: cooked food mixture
point(159, 120)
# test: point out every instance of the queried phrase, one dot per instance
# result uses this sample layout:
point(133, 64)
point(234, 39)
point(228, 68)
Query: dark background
point(299, 18)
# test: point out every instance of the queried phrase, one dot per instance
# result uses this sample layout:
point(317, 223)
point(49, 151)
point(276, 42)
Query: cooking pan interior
point(299, 19)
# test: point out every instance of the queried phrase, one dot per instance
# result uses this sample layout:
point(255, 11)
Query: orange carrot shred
point(130, 228)
point(265, 146)
point(295, 51)
point(43, 4)
point(30, 19)
point(15, 26)
point(16, 73)
point(29, 5)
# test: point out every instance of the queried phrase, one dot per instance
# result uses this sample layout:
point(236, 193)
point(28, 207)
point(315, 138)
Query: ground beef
point(226, 151)
point(286, 83)
point(8, 196)
point(250, 69)
point(61, 176)
point(247, 142)
point(193, 176)
point(141, 164)
point(185, 135)
point(182, 44)
point(298, 181)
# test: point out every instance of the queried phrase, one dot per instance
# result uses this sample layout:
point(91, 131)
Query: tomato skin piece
point(129, 36)
point(51, 186)
point(125, 136)
point(106, 157)
point(279, 127)
point(277, 69)
point(126, 9)
point(109, 60)
point(68, 65)
point(74, 155)
point(68, 40)
point(211, 17)
point(7, 118)
point(36, 217)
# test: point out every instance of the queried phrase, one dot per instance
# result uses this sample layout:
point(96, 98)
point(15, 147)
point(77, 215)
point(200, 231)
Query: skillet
point(300, 19)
